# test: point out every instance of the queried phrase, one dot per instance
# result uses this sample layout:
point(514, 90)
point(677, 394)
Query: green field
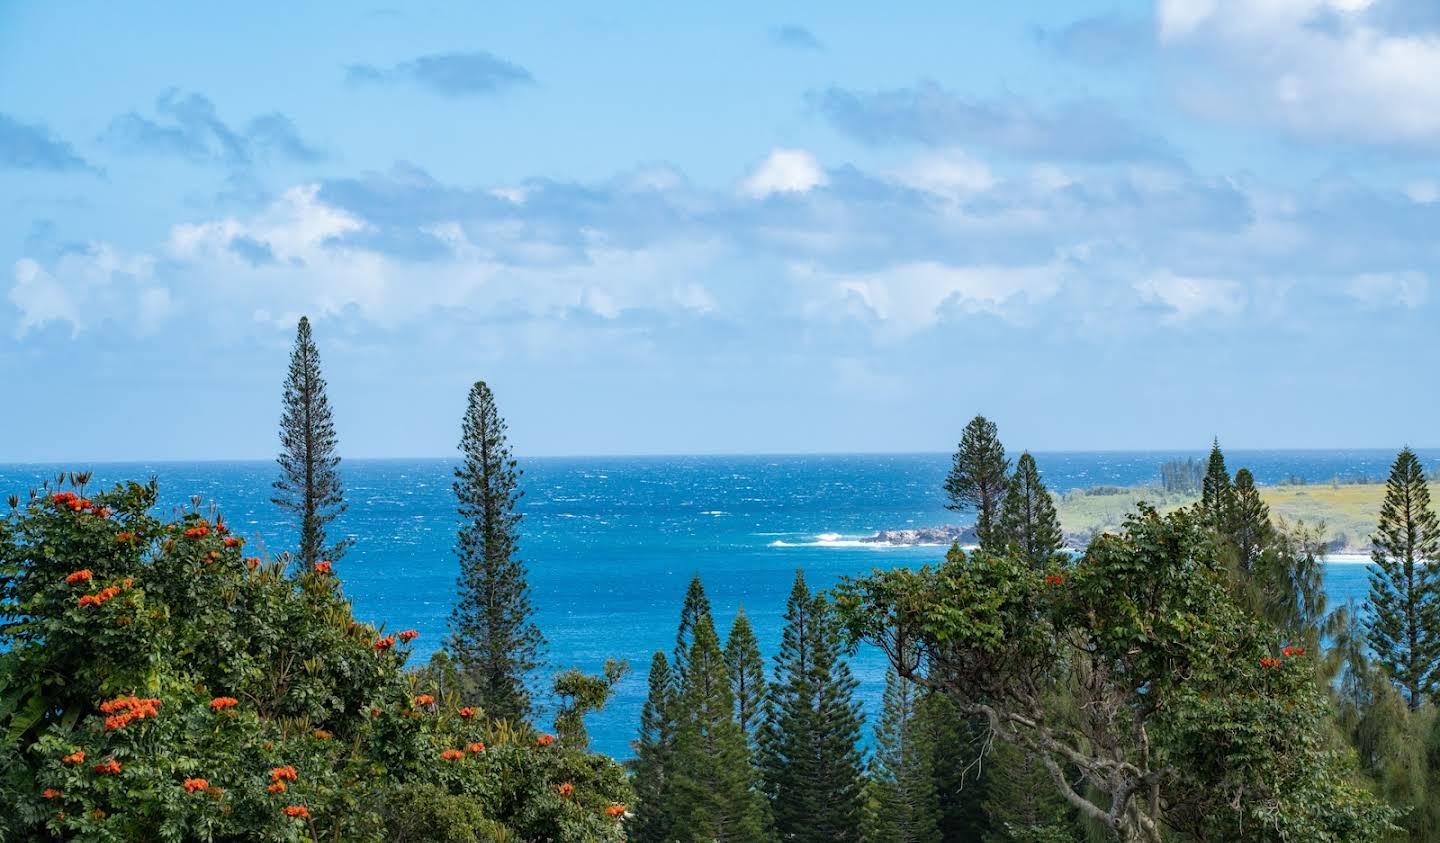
point(1349, 510)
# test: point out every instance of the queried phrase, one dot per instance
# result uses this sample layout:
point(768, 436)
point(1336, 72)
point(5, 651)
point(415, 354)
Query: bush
point(157, 684)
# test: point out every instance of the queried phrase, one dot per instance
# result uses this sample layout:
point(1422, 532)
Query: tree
point(1250, 529)
point(580, 694)
point(1028, 523)
point(1022, 804)
point(1132, 676)
point(812, 766)
point(747, 676)
point(1404, 604)
point(1216, 493)
point(901, 805)
point(716, 794)
point(695, 607)
point(977, 478)
point(493, 637)
point(309, 486)
point(652, 820)
point(956, 745)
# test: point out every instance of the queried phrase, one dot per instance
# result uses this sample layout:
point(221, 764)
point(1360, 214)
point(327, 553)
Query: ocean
point(612, 542)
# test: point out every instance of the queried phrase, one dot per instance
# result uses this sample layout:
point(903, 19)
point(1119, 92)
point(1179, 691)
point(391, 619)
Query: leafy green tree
point(901, 805)
point(812, 766)
point(652, 821)
point(977, 478)
point(1145, 624)
point(309, 486)
point(716, 793)
point(1250, 529)
point(1404, 603)
point(1217, 496)
point(580, 694)
point(1028, 523)
point(493, 636)
point(747, 676)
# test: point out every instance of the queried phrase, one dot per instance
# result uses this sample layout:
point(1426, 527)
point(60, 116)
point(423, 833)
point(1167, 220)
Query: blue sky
point(668, 228)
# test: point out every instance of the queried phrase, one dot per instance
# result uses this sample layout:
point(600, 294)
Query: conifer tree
point(1216, 493)
point(1028, 523)
point(652, 820)
point(493, 637)
point(977, 478)
point(696, 606)
point(901, 803)
point(716, 795)
point(1403, 626)
point(1250, 529)
point(747, 676)
point(309, 486)
point(811, 763)
point(1022, 804)
point(962, 777)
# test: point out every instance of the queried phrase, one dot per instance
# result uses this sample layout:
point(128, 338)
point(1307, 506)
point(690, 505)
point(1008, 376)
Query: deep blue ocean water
point(612, 542)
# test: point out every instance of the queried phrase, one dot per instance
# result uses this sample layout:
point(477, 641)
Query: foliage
point(901, 804)
point(157, 685)
point(977, 478)
point(652, 820)
point(309, 486)
point(812, 768)
point(1135, 668)
point(1248, 531)
point(493, 637)
point(1404, 618)
point(1028, 525)
point(747, 675)
point(581, 693)
point(1217, 495)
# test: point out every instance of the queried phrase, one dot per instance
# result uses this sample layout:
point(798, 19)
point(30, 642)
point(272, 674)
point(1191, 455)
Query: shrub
point(158, 684)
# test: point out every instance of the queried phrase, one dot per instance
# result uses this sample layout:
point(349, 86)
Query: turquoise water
point(613, 541)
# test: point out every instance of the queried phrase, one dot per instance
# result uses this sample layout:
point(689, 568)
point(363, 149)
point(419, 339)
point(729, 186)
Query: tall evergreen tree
point(695, 607)
point(962, 777)
point(1022, 804)
point(1404, 605)
point(1028, 523)
point(716, 793)
point(653, 818)
point(747, 676)
point(309, 486)
point(493, 636)
point(977, 478)
point(810, 759)
point(1250, 529)
point(1216, 494)
point(901, 805)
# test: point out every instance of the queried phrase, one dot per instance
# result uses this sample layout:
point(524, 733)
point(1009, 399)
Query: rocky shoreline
point(965, 535)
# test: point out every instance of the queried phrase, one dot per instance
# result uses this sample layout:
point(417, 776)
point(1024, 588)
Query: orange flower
point(63, 497)
point(286, 773)
point(104, 512)
point(566, 789)
point(475, 748)
point(222, 703)
point(467, 712)
point(252, 563)
point(231, 541)
point(615, 811)
point(110, 768)
point(277, 787)
point(424, 699)
point(76, 757)
point(324, 568)
point(452, 755)
point(297, 811)
point(51, 793)
point(545, 740)
point(384, 643)
point(124, 710)
point(321, 735)
point(199, 532)
point(80, 576)
point(192, 785)
point(407, 636)
point(125, 537)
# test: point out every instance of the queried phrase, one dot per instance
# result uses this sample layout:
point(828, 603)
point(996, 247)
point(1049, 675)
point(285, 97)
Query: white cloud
point(951, 174)
point(783, 171)
point(1319, 68)
point(1375, 290)
point(87, 287)
point(1423, 192)
point(1187, 298)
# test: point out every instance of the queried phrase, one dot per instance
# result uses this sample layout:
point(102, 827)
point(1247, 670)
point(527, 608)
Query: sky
point(744, 227)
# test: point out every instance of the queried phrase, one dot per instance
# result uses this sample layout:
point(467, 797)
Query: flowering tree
point(158, 684)
point(1131, 675)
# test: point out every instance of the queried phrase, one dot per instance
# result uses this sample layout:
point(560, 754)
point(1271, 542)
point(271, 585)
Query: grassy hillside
point(1348, 510)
